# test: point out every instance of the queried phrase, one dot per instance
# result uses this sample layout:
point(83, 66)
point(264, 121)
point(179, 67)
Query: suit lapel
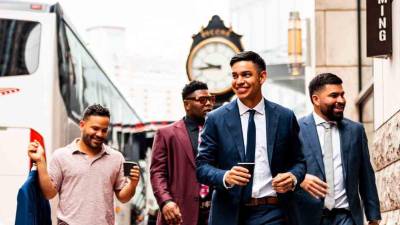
point(310, 133)
point(234, 124)
point(345, 135)
point(272, 118)
point(183, 137)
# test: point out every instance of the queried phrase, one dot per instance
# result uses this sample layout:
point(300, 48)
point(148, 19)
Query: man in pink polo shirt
point(86, 174)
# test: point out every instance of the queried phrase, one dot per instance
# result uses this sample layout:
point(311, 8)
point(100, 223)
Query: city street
point(137, 63)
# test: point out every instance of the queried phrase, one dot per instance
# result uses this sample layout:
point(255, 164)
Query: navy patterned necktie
point(250, 153)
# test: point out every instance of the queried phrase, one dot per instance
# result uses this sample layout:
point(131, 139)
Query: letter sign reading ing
point(379, 28)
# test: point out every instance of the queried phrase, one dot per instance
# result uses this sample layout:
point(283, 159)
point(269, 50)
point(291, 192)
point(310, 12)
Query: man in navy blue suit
point(253, 130)
point(339, 171)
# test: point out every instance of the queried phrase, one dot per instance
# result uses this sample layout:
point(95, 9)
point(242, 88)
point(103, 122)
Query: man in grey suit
point(339, 171)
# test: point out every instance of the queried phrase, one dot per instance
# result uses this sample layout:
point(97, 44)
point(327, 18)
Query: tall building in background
point(149, 84)
point(264, 25)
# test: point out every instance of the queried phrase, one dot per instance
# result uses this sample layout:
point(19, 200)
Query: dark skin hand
point(172, 214)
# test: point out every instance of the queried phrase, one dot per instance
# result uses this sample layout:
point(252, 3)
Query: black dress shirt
point(192, 127)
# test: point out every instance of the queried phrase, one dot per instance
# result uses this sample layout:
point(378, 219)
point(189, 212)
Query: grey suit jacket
point(358, 174)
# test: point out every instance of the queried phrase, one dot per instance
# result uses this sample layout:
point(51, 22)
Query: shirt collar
point(75, 148)
point(192, 122)
point(319, 120)
point(260, 108)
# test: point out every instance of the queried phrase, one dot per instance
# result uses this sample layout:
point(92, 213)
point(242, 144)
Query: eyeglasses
point(203, 99)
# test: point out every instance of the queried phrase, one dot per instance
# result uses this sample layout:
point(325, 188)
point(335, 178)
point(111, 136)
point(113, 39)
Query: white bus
point(47, 79)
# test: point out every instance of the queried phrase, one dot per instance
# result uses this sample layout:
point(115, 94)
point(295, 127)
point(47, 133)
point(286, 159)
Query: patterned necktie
point(199, 137)
point(250, 153)
point(328, 164)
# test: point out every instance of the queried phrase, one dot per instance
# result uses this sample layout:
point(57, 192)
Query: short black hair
point(319, 82)
point(249, 56)
point(95, 110)
point(192, 87)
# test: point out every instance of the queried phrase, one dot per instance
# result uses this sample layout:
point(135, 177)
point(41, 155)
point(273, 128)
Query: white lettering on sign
point(382, 21)
point(382, 35)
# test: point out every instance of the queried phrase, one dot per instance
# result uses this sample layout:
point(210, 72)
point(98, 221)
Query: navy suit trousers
point(261, 215)
point(343, 218)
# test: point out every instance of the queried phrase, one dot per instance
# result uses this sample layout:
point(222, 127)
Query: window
point(19, 47)
point(84, 83)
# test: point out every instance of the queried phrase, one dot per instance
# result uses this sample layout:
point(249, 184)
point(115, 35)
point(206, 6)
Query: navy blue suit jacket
point(32, 207)
point(222, 147)
point(358, 174)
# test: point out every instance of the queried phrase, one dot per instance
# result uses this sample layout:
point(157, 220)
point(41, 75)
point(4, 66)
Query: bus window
point(19, 47)
point(88, 84)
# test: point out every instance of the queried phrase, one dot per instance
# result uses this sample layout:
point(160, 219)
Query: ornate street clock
point(209, 56)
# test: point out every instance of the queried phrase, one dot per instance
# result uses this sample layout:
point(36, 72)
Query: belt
point(205, 204)
point(334, 211)
point(262, 201)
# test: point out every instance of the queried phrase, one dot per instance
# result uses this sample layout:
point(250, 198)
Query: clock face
point(209, 62)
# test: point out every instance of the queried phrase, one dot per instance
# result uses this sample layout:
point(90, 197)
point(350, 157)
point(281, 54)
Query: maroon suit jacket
point(173, 172)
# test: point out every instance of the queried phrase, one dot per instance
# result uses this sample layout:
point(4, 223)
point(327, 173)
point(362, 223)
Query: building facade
point(371, 88)
point(386, 147)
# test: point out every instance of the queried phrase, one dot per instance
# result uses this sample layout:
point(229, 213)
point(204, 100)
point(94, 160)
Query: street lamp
point(294, 43)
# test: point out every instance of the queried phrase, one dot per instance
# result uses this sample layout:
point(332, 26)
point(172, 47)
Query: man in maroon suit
point(181, 198)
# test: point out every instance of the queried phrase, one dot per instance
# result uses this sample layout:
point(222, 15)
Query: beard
point(330, 113)
point(89, 141)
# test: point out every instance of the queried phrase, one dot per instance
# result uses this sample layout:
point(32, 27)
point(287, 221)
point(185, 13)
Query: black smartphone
point(128, 165)
point(248, 165)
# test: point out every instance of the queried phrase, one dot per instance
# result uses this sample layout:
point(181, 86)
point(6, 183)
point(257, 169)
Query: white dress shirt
point(340, 191)
point(262, 178)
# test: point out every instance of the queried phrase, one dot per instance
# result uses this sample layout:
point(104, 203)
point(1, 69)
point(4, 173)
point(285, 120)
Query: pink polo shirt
point(86, 186)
